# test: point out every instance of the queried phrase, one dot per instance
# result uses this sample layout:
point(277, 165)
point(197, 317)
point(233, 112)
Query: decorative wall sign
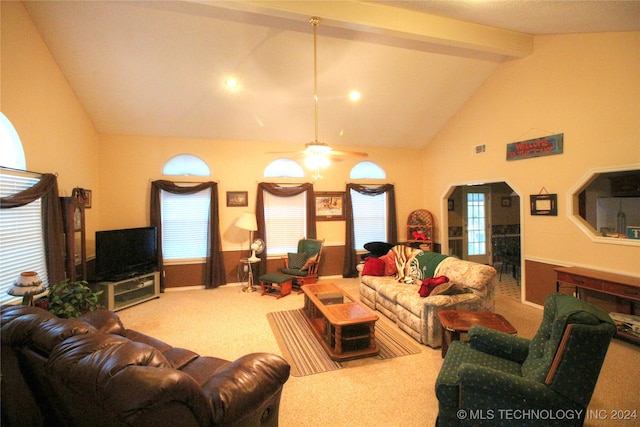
point(544, 204)
point(545, 146)
point(237, 198)
point(330, 205)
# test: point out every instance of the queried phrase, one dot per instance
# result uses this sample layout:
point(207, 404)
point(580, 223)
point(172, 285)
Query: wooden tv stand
point(624, 289)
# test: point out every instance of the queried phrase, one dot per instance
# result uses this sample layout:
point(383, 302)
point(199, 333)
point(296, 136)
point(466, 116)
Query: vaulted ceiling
point(160, 68)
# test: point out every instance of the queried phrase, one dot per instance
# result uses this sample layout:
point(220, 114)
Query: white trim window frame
point(185, 227)
point(369, 218)
point(285, 222)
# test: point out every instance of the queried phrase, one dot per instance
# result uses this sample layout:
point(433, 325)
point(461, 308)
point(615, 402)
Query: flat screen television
point(125, 253)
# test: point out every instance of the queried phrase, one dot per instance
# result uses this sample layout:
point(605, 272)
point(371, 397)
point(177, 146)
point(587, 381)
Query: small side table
point(455, 322)
point(247, 262)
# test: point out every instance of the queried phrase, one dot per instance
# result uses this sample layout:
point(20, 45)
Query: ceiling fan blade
point(285, 152)
point(347, 153)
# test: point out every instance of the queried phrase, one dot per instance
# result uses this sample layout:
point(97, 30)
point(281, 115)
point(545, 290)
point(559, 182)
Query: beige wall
point(586, 86)
point(56, 133)
point(129, 163)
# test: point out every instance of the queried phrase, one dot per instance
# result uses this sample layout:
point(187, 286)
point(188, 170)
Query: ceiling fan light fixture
point(317, 148)
point(317, 161)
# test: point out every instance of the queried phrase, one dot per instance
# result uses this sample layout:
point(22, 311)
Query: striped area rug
point(306, 355)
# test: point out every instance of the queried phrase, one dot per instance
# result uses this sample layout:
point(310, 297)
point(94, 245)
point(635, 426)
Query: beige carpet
point(307, 356)
point(228, 323)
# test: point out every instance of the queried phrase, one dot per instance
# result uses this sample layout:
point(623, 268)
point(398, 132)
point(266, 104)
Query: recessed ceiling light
point(354, 95)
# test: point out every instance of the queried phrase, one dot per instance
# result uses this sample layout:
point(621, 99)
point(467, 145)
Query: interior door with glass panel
point(477, 228)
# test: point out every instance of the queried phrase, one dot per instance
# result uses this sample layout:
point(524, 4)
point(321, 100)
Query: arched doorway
point(483, 225)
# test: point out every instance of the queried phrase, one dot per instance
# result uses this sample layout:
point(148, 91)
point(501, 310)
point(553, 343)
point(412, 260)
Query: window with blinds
point(21, 233)
point(185, 226)
point(369, 218)
point(285, 222)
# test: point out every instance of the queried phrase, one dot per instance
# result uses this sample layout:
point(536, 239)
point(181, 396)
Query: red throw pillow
point(373, 267)
point(428, 285)
point(390, 268)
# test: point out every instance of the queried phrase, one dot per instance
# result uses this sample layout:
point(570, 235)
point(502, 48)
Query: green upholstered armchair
point(497, 379)
point(303, 265)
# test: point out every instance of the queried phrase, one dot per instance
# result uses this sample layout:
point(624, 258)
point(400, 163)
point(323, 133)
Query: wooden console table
point(625, 289)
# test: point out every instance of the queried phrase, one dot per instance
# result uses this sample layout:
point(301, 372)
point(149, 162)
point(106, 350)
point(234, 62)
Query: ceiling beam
point(405, 28)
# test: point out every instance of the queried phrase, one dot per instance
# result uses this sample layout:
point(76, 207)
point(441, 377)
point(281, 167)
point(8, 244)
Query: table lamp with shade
point(26, 286)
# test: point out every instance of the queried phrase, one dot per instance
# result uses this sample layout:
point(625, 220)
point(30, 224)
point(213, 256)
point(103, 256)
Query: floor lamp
point(248, 222)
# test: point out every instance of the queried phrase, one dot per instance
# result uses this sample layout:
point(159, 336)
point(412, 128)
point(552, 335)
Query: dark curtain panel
point(215, 275)
point(280, 191)
point(47, 189)
point(350, 259)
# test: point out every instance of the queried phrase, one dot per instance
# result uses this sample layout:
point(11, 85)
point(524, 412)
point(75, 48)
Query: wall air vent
point(479, 149)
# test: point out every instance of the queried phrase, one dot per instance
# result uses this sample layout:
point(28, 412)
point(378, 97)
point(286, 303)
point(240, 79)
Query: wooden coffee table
point(345, 327)
point(455, 322)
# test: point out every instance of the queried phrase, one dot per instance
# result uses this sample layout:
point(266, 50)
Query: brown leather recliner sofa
point(92, 371)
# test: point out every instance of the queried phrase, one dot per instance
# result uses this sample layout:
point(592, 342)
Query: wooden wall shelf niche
point(420, 229)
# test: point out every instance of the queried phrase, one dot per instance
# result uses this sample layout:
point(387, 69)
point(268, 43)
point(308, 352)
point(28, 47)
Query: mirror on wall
point(609, 204)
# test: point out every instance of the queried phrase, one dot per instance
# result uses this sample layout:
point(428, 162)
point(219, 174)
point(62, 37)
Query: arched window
point(367, 170)
point(284, 168)
point(186, 164)
point(11, 151)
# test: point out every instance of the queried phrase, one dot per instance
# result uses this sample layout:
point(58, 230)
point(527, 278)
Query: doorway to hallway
point(484, 226)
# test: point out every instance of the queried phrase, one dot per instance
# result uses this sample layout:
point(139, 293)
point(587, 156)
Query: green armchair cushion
point(506, 346)
point(309, 247)
point(296, 260)
point(295, 272)
point(458, 354)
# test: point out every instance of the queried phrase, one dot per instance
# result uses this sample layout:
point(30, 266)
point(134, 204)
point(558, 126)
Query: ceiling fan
point(318, 155)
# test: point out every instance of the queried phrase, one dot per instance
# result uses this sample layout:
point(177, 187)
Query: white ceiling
point(158, 68)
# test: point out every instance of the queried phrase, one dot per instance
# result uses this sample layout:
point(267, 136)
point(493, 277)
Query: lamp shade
point(247, 222)
point(27, 285)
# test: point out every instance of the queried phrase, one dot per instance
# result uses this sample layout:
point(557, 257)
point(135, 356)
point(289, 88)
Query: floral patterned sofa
point(395, 291)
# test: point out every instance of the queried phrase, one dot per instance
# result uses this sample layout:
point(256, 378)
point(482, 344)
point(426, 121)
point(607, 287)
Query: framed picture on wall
point(329, 205)
point(237, 198)
point(544, 204)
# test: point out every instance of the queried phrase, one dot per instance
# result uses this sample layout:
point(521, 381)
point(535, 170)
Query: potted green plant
point(70, 299)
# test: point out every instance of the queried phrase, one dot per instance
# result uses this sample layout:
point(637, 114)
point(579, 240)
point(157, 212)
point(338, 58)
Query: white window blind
point(185, 225)
point(285, 222)
point(21, 234)
point(369, 218)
